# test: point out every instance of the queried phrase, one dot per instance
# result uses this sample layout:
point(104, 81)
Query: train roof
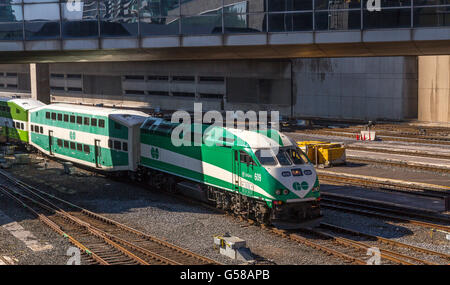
point(26, 104)
point(229, 136)
point(126, 117)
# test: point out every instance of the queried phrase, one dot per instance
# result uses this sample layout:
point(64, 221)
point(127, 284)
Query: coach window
point(17, 125)
point(53, 116)
point(79, 120)
point(66, 118)
point(79, 147)
point(22, 126)
point(66, 144)
point(41, 130)
point(117, 145)
point(72, 119)
point(87, 149)
point(101, 123)
point(93, 122)
point(59, 117)
point(47, 115)
point(32, 128)
point(109, 143)
point(86, 121)
point(72, 145)
point(125, 146)
point(59, 142)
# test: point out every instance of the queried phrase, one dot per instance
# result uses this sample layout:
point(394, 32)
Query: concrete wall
point(345, 88)
point(434, 89)
point(356, 88)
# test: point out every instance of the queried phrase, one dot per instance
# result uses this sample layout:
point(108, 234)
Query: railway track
point(411, 188)
point(397, 137)
point(405, 152)
point(402, 164)
point(386, 211)
point(103, 240)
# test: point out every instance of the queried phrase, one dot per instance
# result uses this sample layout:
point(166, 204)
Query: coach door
point(97, 153)
point(50, 142)
point(236, 170)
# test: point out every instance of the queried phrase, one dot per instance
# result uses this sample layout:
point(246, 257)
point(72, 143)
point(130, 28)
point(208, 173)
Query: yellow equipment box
point(323, 153)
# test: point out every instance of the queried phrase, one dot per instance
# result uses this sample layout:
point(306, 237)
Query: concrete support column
point(434, 89)
point(40, 82)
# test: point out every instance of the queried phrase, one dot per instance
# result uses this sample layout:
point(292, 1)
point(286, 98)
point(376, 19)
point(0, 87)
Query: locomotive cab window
point(266, 158)
point(245, 158)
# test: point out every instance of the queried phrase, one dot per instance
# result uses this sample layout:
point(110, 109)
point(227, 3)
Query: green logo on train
point(155, 153)
point(299, 187)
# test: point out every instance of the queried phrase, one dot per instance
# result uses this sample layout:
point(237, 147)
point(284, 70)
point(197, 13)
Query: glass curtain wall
point(71, 19)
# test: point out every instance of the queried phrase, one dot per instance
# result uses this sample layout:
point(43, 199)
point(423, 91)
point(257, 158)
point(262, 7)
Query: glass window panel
point(337, 4)
point(11, 13)
point(159, 26)
point(338, 20)
point(41, 30)
point(387, 18)
point(287, 22)
point(84, 10)
point(10, 1)
point(244, 23)
point(159, 8)
point(119, 18)
point(41, 12)
point(289, 5)
point(201, 24)
point(201, 7)
point(80, 29)
point(430, 2)
point(392, 3)
point(432, 17)
point(249, 6)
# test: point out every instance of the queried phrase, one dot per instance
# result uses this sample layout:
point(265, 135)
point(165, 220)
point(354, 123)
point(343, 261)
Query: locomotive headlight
point(315, 189)
point(286, 192)
point(278, 192)
point(297, 172)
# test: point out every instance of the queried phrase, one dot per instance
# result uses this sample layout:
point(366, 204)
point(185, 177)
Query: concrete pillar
point(40, 82)
point(434, 89)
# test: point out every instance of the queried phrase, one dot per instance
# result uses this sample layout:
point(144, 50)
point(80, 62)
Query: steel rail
point(386, 240)
point(110, 237)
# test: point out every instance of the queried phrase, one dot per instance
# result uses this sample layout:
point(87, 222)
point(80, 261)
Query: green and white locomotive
point(101, 138)
point(246, 172)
